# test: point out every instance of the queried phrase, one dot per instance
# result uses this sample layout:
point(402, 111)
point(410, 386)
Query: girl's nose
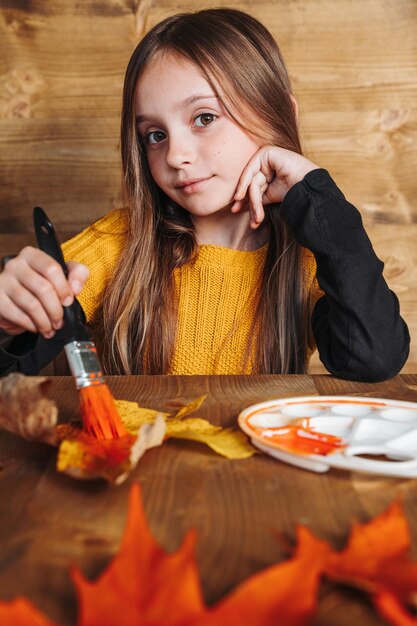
point(180, 151)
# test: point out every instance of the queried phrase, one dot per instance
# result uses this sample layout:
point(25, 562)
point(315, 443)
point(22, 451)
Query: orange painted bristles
point(99, 414)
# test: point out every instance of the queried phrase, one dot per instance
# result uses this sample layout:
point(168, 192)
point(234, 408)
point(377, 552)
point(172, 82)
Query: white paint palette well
point(319, 432)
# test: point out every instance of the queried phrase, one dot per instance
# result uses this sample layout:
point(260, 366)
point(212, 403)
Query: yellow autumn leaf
point(70, 455)
point(190, 407)
point(225, 441)
point(230, 443)
point(112, 459)
point(133, 416)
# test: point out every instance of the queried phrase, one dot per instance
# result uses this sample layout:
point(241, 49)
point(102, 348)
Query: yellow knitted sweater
point(216, 296)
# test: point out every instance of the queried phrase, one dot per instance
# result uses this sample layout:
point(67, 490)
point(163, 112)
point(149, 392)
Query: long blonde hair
point(137, 323)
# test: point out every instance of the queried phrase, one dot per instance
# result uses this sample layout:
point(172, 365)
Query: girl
point(211, 267)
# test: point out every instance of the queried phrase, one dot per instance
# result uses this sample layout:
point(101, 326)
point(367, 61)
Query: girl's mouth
point(194, 185)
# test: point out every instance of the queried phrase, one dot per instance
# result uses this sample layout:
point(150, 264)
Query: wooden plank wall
point(353, 66)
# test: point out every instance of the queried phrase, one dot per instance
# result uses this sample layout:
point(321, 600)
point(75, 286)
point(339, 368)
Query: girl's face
point(196, 152)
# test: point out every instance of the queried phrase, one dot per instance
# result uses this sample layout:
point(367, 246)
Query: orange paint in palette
point(373, 435)
point(302, 440)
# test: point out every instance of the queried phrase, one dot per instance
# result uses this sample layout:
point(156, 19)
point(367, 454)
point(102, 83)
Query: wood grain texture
point(353, 68)
point(49, 522)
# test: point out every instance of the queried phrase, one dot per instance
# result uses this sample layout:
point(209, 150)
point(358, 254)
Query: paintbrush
point(98, 411)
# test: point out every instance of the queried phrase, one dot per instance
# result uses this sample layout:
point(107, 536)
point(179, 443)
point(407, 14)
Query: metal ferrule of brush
point(84, 364)
point(81, 351)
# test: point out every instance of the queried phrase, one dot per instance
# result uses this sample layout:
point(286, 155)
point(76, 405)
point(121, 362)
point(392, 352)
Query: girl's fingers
point(47, 268)
point(238, 205)
point(253, 199)
point(37, 297)
point(22, 308)
point(30, 307)
point(77, 275)
point(33, 291)
point(17, 321)
point(37, 286)
point(282, 169)
point(255, 192)
point(247, 176)
point(257, 172)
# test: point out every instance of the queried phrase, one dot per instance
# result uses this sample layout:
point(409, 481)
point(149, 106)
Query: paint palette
point(319, 432)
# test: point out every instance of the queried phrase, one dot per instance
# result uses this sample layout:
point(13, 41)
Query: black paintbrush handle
point(47, 238)
point(48, 242)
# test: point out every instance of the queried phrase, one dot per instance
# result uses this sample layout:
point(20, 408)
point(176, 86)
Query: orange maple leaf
point(163, 589)
point(284, 594)
point(20, 612)
point(375, 560)
point(153, 587)
point(392, 610)
point(145, 586)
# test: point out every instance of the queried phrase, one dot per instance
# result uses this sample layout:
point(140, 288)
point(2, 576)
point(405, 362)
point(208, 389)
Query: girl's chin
point(205, 211)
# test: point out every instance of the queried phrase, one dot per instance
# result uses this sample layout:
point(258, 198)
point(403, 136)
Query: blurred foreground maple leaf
point(376, 560)
point(145, 586)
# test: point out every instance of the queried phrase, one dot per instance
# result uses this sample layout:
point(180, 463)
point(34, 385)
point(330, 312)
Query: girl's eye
point(204, 119)
point(156, 136)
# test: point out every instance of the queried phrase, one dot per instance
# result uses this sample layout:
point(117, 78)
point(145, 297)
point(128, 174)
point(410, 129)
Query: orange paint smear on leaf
point(99, 414)
point(105, 452)
point(294, 438)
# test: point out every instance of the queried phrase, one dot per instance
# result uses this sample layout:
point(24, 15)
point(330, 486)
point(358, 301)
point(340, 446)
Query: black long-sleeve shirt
point(357, 326)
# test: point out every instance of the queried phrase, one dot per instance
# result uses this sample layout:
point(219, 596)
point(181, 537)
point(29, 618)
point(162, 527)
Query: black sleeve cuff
point(357, 326)
point(29, 353)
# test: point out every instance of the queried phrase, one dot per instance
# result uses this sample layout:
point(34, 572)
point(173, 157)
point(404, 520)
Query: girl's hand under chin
point(266, 179)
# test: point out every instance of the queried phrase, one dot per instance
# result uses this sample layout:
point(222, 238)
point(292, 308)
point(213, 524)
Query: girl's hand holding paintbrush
point(37, 291)
point(33, 291)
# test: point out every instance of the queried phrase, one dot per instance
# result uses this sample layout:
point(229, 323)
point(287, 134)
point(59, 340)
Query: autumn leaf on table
point(114, 459)
point(81, 456)
point(190, 407)
point(376, 560)
point(228, 442)
point(145, 586)
point(152, 587)
point(159, 588)
point(25, 409)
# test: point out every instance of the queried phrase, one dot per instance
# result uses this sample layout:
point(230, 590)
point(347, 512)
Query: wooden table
point(49, 521)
